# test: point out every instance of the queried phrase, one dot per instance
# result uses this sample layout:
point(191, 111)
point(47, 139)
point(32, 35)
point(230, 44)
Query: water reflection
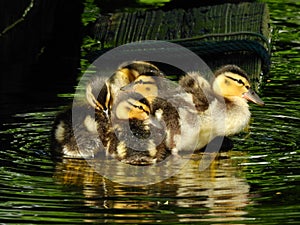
point(220, 193)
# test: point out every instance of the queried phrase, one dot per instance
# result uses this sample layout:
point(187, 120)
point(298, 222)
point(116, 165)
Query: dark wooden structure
point(219, 34)
point(39, 44)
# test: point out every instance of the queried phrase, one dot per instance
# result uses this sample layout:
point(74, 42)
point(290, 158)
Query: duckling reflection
point(218, 193)
point(223, 185)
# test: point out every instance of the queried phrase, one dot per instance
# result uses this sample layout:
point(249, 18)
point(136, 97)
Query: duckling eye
point(237, 80)
point(140, 107)
point(151, 72)
point(139, 82)
point(240, 81)
point(248, 87)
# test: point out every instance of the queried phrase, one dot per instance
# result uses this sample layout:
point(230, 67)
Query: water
point(255, 183)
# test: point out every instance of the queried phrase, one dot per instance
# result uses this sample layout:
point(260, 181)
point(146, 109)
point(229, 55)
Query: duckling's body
point(135, 136)
point(82, 135)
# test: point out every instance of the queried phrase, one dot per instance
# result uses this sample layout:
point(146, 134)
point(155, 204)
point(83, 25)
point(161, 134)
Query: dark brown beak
point(128, 87)
point(250, 95)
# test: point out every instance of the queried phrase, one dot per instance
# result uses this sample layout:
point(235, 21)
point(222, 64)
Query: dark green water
point(255, 183)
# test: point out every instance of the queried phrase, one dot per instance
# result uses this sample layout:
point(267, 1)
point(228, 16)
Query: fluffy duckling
point(80, 136)
point(135, 137)
point(164, 97)
point(221, 107)
point(80, 131)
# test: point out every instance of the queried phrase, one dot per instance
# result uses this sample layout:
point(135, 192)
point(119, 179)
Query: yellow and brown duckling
point(135, 137)
point(81, 135)
point(80, 131)
point(164, 104)
point(221, 107)
point(91, 131)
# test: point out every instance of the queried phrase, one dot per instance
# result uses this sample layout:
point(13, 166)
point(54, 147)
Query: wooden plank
point(194, 28)
point(180, 24)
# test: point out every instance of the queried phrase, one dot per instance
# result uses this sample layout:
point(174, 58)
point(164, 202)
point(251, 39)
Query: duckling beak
point(250, 95)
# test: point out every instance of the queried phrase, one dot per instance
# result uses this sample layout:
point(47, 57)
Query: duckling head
point(132, 109)
point(98, 94)
point(134, 106)
point(137, 68)
point(130, 72)
point(144, 85)
point(102, 94)
point(231, 81)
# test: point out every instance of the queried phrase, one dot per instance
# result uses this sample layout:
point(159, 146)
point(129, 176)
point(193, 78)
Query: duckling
point(135, 137)
point(221, 107)
point(80, 130)
point(81, 135)
point(157, 90)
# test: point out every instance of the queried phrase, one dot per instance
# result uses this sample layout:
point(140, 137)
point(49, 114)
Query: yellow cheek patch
point(146, 86)
point(138, 114)
point(130, 109)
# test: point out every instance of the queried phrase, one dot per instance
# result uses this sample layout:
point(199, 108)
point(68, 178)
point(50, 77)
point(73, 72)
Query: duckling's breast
point(237, 116)
point(220, 119)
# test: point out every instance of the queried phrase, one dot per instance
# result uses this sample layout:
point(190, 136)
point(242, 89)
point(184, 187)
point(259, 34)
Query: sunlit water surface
point(255, 183)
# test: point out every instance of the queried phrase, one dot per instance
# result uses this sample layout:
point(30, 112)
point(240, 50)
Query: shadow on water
point(255, 183)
